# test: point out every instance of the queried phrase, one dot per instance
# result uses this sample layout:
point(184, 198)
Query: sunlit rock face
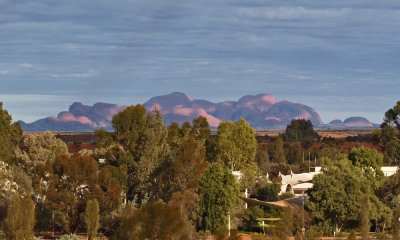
point(261, 111)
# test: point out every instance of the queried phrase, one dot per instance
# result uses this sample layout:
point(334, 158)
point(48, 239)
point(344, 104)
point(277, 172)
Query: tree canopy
point(236, 144)
point(10, 136)
point(301, 130)
point(219, 193)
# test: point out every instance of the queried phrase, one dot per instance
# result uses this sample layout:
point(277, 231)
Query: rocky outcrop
point(261, 111)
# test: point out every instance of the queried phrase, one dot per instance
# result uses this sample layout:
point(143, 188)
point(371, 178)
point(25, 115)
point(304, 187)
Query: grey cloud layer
point(320, 52)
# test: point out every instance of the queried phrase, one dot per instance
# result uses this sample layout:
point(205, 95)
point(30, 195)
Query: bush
point(313, 233)
point(20, 219)
point(352, 236)
point(258, 236)
point(92, 218)
point(69, 237)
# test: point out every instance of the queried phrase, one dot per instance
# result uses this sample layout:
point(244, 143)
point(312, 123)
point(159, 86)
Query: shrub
point(20, 218)
point(69, 237)
point(92, 218)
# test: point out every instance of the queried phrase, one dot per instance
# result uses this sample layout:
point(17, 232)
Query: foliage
point(184, 170)
point(301, 130)
point(14, 181)
point(154, 220)
point(41, 148)
point(392, 116)
point(188, 203)
point(104, 139)
point(69, 237)
point(369, 161)
point(144, 140)
point(396, 223)
point(294, 153)
point(250, 222)
point(20, 219)
point(266, 192)
point(284, 227)
point(10, 135)
point(277, 154)
point(218, 195)
point(262, 157)
point(92, 218)
point(364, 216)
point(390, 135)
point(236, 144)
point(336, 195)
point(129, 125)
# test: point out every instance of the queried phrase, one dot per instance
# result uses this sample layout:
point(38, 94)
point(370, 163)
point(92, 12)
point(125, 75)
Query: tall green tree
point(143, 137)
point(219, 193)
point(262, 157)
point(92, 218)
point(301, 130)
point(390, 135)
point(236, 144)
point(129, 125)
point(392, 116)
point(364, 216)
point(201, 129)
point(396, 223)
point(277, 154)
point(20, 219)
point(370, 162)
point(335, 198)
point(10, 136)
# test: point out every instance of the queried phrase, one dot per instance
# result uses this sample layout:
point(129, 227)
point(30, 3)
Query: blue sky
point(340, 57)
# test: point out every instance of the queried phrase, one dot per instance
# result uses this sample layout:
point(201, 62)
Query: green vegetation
point(151, 181)
point(20, 219)
point(92, 218)
point(218, 196)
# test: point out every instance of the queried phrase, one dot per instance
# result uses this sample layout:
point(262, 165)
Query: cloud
point(128, 51)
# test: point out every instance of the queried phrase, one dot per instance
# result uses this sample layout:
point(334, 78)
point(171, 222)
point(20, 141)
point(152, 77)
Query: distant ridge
point(262, 111)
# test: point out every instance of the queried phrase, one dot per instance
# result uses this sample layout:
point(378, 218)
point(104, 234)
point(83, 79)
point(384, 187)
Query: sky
point(340, 57)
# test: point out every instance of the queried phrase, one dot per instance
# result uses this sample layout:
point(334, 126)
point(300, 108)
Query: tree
point(364, 217)
point(262, 157)
point(392, 116)
point(153, 151)
point(92, 218)
point(201, 129)
point(74, 180)
point(284, 227)
point(154, 220)
point(104, 139)
point(236, 144)
point(14, 181)
point(301, 130)
point(277, 152)
point(336, 194)
point(370, 162)
point(390, 135)
point(129, 125)
point(396, 223)
point(10, 136)
point(184, 170)
point(218, 195)
point(40, 149)
point(20, 219)
point(144, 140)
